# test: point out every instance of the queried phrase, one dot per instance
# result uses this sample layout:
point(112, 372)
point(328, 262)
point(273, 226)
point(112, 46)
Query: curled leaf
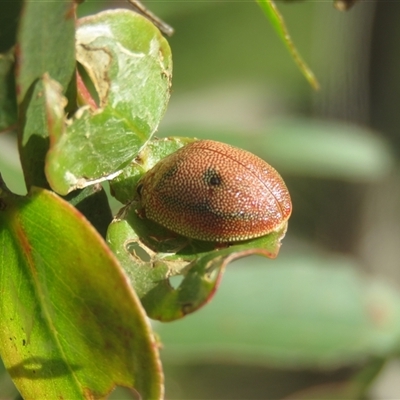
point(153, 258)
point(129, 63)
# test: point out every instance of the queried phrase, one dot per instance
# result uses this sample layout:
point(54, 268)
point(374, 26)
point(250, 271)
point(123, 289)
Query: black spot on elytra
point(212, 177)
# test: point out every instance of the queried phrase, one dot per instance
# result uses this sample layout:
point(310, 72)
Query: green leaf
point(295, 311)
point(71, 325)
point(276, 19)
point(123, 187)
point(129, 63)
point(153, 257)
point(33, 137)
point(326, 150)
point(8, 101)
point(10, 167)
point(9, 17)
point(46, 44)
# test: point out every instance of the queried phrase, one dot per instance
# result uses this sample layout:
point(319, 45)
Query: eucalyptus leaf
point(45, 45)
point(151, 255)
point(129, 63)
point(9, 13)
point(8, 99)
point(327, 150)
point(43, 27)
point(72, 327)
point(123, 187)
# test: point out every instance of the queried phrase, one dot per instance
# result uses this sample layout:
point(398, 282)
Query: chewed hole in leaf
point(213, 272)
point(138, 252)
point(175, 281)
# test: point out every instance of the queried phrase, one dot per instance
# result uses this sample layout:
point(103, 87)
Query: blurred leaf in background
point(309, 312)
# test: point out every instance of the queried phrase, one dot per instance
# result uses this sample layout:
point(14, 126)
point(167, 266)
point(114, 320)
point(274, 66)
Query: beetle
point(212, 191)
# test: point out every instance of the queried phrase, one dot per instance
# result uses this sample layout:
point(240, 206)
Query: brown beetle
point(211, 191)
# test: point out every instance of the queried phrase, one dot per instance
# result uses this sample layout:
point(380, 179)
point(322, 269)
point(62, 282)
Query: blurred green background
point(323, 320)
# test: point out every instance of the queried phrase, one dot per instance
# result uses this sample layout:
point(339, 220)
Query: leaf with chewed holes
point(153, 257)
point(129, 63)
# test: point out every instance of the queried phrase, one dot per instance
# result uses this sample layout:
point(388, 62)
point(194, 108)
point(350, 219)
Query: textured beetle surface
point(211, 191)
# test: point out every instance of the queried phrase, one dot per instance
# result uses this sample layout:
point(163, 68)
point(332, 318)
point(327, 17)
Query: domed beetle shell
point(212, 191)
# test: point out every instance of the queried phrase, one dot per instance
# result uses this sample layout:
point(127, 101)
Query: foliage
point(78, 284)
